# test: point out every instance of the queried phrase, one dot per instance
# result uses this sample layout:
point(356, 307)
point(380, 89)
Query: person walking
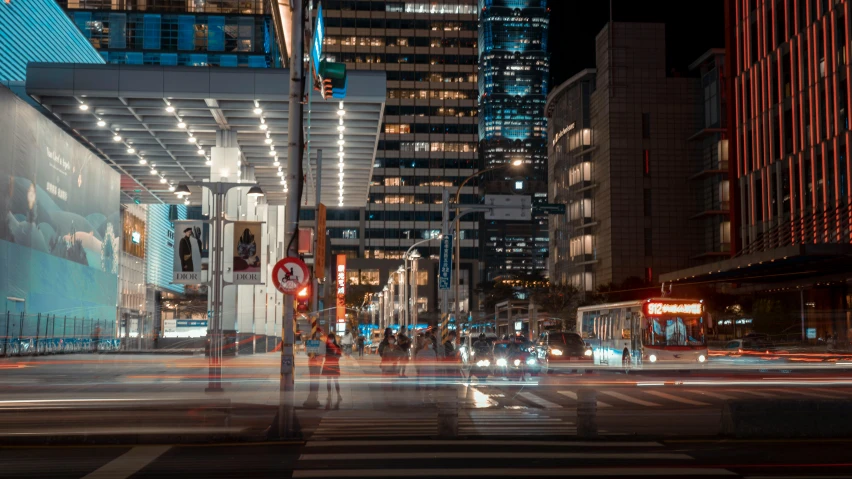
point(347, 343)
point(331, 369)
point(361, 342)
point(426, 359)
point(404, 343)
point(389, 352)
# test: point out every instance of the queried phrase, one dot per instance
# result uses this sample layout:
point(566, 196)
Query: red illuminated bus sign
point(656, 308)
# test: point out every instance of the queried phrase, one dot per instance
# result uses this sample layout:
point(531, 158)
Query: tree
point(560, 300)
point(493, 292)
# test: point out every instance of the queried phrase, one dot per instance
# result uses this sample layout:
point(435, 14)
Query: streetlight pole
point(407, 256)
point(458, 231)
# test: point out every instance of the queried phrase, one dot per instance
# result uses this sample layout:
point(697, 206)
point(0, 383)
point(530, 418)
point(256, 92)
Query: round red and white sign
point(290, 274)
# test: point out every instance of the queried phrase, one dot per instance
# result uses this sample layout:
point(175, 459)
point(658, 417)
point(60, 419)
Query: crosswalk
point(513, 423)
point(496, 458)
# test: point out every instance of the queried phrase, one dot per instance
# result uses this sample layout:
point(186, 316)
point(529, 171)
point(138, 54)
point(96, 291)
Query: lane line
point(418, 442)
point(128, 463)
point(672, 397)
point(712, 394)
point(573, 395)
point(519, 472)
point(627, 398)
point(539, 401)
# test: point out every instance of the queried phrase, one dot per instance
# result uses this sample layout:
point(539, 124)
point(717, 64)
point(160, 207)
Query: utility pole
point(287, 392)
point(445, 230)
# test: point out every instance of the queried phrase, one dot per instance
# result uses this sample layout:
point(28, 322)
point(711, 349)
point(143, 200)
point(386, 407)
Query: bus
point(644, 332)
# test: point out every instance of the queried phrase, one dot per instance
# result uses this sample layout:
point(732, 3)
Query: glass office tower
point(226, 33)
point(513, 85)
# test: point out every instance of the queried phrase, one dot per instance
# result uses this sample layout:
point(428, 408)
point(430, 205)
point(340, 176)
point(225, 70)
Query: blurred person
point(331, 368)
point(361, 342)
point(404, 343)
point(96, 336)
point(390, 353)
point(347, 342)
point(425, 360)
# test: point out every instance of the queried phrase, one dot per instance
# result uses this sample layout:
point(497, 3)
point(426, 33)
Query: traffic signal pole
point(287, 393)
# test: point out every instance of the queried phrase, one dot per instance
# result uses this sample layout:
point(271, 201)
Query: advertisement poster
point(60, 231)
point(189, 265)
point(248, 244)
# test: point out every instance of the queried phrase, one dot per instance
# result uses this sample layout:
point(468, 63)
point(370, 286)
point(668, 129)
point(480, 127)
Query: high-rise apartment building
point(428, 140)
point(225, 33)
point(514, 70)
point(621, 156)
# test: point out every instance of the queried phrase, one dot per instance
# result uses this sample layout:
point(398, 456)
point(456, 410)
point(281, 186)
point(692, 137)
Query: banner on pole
point(248, 243)
point(319, 251)
point(189, 256)
point(445, 265)
point(341, 287)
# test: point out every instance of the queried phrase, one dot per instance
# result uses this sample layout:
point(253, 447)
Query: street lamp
point(219, 190)
point(514, 163)
point(410, 255)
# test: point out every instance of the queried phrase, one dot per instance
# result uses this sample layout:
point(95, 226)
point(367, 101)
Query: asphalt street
point(429, 458)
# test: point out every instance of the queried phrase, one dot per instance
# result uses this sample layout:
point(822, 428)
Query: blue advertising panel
point(316, 44)
point(445, 267)
point(60, 228)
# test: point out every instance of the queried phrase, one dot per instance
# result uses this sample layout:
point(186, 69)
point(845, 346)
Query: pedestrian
point(361, 342)
point(404, 343)
point(331, 368)
point(347, 343)
point(426, 360)
point(389, 352)
point(96, 336)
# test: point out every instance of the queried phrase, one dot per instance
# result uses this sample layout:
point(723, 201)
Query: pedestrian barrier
point(43, 334)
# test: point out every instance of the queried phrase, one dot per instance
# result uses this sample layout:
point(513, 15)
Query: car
point(515, 357)
point(562, 348)
point(747, 344)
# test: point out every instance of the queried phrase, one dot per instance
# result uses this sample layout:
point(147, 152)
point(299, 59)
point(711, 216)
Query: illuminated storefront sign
point(341, 288)
point(657, 309)
point(562, 133)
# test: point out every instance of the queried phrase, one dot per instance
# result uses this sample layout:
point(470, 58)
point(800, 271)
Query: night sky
point(575, 23)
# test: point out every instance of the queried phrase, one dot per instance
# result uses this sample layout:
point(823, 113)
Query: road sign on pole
point(445, 269)
point(290, 274)
point(509, 207)
point(550, 208)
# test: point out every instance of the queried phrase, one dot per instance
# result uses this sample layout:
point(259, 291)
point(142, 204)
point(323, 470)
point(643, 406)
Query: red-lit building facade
point(789, 148)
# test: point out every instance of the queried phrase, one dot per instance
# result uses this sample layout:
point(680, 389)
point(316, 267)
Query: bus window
point(675, 331)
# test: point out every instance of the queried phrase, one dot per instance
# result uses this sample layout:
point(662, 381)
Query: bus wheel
point(625, 360)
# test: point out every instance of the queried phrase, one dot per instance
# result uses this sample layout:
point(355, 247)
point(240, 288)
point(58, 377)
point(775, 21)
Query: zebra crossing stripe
point(573, 395)
point(625, 397)
point(672, 397)
point(539, 401)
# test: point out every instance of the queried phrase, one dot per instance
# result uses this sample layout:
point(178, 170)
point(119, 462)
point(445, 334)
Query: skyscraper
point(513, 85)
point(428, 140)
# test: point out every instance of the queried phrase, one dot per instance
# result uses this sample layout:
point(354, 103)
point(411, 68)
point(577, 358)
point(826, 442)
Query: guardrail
point(30, 335)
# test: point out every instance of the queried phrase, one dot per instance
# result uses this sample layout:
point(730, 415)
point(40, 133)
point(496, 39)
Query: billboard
point(189, 264)
point(341, 288)
point(60, 234)
point(248, 244)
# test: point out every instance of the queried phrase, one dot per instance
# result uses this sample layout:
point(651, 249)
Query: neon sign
point(657, 309)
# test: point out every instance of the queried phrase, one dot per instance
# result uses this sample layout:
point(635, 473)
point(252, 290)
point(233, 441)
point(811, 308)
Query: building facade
point(622, 170)
point(227, 33)
point(428, 141)
point(514, 68)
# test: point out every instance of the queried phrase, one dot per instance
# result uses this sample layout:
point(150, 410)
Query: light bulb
point(142, 161)
point(268, 141)
point(271, 152)
point(341, 142)
point(131, 151)
point(162, 180)
point(170, 109)
point(171, 187)
point(192, 139)
point(276, 163)
point(341, 128)
point(258, 110)
point(84, 106)
point(116, 138)
point(264, 126)
point(181, 125)
point(153, 171)
point(341, 112)
point(101, 123)
point(208, 163)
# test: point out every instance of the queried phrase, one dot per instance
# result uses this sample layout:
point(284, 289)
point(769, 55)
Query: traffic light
point(303, 297)
point(334, 79)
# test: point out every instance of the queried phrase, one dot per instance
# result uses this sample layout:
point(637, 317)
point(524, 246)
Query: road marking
point(756, 393)
point(672, 397)
point(814, 395)
point(627, 398)
point(540, 401)
point(713, 394)
point(518, 472)
point(416, 442)
point(371, 456)
point(128, 463)
point(573, 395)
